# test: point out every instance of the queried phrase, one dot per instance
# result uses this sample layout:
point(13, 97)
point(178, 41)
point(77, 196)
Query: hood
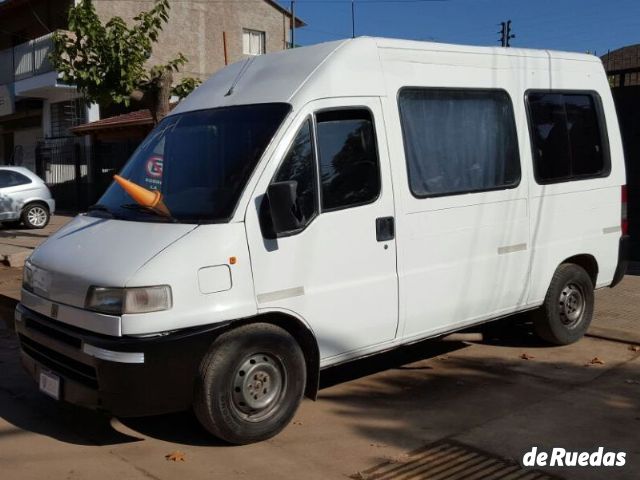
point(97, 251)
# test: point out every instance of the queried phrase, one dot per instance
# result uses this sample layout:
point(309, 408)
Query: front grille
point(53, 333)
point(59, 363)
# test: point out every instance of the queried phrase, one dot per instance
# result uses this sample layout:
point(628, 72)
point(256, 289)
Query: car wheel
point(250, 383)
point(35, 215)
point(567, 310)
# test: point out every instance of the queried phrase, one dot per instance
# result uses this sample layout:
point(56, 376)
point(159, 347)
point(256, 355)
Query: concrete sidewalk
point(16, 244)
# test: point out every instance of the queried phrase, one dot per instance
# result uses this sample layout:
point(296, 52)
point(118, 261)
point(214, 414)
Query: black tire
point(35, 215)
point(228, 380)
point(566, 313)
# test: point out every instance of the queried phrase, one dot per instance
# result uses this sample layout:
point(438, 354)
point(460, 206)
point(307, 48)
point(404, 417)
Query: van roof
point(334, 69)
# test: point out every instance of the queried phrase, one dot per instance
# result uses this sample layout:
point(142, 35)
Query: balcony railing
point(26, 60)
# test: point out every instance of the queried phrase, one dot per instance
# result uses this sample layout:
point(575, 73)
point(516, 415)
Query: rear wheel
point(35, 215)
point(250, 383)
point(567, 310)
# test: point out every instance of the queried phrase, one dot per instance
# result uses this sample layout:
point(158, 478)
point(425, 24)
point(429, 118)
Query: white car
point(24, 198)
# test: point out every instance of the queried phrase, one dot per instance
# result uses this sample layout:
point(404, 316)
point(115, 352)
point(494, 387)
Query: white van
point(309, 207)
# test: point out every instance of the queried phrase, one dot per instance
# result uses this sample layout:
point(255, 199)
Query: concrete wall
point(196, 29)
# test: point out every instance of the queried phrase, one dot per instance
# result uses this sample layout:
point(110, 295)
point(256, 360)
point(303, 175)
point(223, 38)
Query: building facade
point(36, 108)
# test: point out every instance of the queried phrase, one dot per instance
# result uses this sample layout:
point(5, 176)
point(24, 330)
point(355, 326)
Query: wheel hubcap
point(572, 305)
point(37, 216)
point(258, 385)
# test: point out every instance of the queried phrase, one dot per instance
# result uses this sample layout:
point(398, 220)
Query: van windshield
point(199, 161)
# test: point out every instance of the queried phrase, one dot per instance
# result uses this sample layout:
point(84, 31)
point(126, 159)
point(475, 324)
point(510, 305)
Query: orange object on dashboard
point(143, 196)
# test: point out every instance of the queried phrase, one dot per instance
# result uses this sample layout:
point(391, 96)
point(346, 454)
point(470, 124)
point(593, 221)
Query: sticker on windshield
point(153, 171)
point(154, 166)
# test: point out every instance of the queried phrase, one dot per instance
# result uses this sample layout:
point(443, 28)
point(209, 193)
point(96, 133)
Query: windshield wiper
point(150, 210)
point(98, 207)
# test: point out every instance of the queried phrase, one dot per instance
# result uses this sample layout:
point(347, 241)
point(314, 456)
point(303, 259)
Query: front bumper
point(125, 376)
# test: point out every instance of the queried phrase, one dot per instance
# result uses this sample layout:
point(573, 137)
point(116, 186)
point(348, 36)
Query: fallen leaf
point(596, 361)
point(634, 348)
point(175, 456)
point(526, 356)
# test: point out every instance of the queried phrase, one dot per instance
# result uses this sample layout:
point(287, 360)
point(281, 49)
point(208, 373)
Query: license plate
point(50, 384)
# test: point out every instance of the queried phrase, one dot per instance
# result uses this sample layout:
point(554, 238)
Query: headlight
point(118, 301)
point(27, 276)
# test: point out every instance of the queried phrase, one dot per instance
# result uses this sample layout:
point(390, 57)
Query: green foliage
point(107, 62)
point(185, 87)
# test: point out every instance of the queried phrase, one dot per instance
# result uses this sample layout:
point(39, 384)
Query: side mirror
point(282, 204)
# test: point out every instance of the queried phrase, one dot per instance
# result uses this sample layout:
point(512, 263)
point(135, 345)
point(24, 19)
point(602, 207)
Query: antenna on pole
point(353, 19)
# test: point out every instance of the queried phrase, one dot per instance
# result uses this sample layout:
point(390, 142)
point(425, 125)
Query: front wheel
point(567, 310)
point(250, 383)
point(35, 216)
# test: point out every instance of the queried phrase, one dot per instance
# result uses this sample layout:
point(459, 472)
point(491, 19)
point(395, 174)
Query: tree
point(107, 62)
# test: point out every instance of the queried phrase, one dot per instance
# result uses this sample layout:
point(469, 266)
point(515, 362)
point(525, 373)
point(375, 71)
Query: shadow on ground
point(22, 406)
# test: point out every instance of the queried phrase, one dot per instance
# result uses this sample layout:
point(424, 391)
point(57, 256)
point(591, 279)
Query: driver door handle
point(385, 229)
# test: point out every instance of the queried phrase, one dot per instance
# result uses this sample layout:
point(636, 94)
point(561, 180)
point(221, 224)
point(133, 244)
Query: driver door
point(337, 272)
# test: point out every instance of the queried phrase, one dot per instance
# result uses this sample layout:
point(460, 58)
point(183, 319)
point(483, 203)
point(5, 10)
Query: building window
point(348, 158)
point(458, 141)
point(65, 115)
point(567, 136)
point(253, 42)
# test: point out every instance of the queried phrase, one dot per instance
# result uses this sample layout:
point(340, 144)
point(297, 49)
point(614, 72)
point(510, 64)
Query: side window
point(5, 178)
point(566, 136)
point(299, 165)
point(458, 141)
point(19, 179)
point(9, 178)
point(348, 158)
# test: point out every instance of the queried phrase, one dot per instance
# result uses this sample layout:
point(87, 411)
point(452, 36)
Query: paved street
point(489, 401)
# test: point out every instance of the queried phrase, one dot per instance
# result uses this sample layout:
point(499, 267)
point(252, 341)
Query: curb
point(614, 335)
point(16, 259)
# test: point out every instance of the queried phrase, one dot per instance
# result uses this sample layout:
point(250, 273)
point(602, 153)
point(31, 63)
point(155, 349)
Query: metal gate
point(62, 164)
point(107, 159)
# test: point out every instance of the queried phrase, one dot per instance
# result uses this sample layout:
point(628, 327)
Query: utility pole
point(353, 19)
point(505, 33)
point(293, 24)
point(509, 34)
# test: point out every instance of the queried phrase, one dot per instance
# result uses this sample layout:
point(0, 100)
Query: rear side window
point(348, 158)
point(9, 178)
point(567, 136)
point(458, 141)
